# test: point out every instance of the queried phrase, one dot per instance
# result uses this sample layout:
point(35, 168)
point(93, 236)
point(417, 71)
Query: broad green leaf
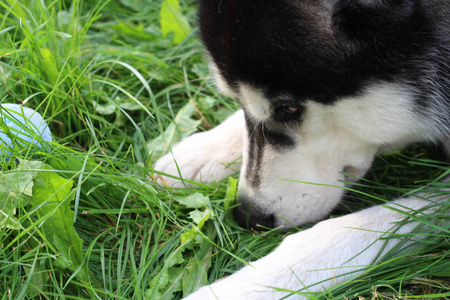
point(231, 192)
point(104, 108)
point(182, 127)
point(197, 269)
point(16, 191)
point(175, 258)
point(7, 212)
point(172, 20)
point(187, 236)
point(52, 195)
point(175, 280)
point(133, 31)
point(196, 277)
point(158, 282)
point(37, 279)
point(200, 217)
point(231, 188)
point(132, 106)
point(48, 66)
point(162, 285)
point(20, 182)
point(196, 200)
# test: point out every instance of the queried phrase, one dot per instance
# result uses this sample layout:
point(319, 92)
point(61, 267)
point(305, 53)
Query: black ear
point(375, 21)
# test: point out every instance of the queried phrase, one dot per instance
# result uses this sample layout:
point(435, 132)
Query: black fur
point(325, 50)
point(259, 137)
point(250, 217)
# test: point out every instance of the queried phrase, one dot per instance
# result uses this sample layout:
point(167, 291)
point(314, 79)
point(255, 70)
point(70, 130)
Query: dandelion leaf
point(173, 21)
point(52, 195)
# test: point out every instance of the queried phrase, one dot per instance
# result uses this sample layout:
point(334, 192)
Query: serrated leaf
point(197, 270)
point(160, 281)
point(52, 195)
point(161, 286)
point(104, 108)
point(175, 280)
point(182, 127)
point(16, 191)
point(196, 200)
point(187, 236)
point(196, 277)
point(200, 217)
point(7, 219)
point(19, 184)
point(132, 106)
point(175, 258)
point(231, 192)
point(173, 21)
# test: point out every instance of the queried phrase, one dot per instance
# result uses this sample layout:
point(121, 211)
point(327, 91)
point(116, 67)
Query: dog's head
point(324, 85)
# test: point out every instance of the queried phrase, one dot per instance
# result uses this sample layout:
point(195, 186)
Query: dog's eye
point(290, 109)
point(287, 113)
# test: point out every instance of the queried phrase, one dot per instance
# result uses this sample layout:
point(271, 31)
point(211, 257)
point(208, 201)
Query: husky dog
point(324, 86)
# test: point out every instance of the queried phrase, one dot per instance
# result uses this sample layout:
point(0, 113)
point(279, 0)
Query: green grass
point(110, 84)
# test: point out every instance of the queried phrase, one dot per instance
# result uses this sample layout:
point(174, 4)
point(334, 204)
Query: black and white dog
point(324, 86)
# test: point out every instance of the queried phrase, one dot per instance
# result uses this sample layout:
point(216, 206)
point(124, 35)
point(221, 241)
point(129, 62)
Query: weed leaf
point(195, 200)
point(132, 31)
point(48, 66)
point(52, 195)
point(173, 21)
point(200, 217)
point(168, 280)
point(16, 191)
point(198, 268)
point(182, 127)
point(36, 278)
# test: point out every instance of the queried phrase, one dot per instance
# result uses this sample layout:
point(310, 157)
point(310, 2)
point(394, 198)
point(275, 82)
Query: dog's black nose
point(251, 218)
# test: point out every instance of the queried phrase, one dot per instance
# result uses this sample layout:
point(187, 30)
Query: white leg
point(206, 156)
point(327, 250)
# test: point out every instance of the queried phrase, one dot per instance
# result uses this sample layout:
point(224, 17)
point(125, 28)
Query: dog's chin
point(250, 217)
point(264, 212)
point(256, 220)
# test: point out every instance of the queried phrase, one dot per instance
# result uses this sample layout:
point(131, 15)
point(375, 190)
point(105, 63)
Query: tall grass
point(110, 84)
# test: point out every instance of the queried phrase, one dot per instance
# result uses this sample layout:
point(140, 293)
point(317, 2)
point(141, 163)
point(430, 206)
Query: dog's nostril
point(253, 219)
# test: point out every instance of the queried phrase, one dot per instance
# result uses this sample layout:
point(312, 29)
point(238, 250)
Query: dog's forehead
point(280, 46)
point(313, 49)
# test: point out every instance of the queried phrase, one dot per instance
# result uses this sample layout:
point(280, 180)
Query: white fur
point(332, 139)
point(206, 156)
point(316, 259)
point(255, 103)
point(221, 83)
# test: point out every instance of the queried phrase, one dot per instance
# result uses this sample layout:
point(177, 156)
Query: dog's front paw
point(206, 156)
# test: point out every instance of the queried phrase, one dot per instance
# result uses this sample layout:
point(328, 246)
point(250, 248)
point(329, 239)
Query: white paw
point(206, 156)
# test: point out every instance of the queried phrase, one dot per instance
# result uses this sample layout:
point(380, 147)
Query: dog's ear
point(374, 21)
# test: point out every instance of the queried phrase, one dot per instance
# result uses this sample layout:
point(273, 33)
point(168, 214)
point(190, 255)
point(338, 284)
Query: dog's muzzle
point(249, 217)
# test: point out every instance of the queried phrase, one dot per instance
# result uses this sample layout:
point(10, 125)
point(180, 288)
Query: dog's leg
point(317, 258)
point(206, 156)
